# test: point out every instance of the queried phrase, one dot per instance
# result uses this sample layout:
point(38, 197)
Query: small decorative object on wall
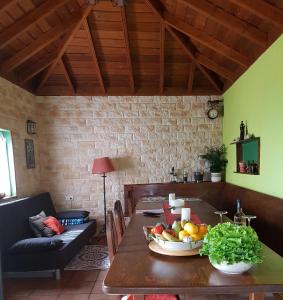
point(30, 160)
point(242, 131)
point(31, 127)
point(216, 109)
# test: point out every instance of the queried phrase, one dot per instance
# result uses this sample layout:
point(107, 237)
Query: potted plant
point(231, 248)
point(216, 156)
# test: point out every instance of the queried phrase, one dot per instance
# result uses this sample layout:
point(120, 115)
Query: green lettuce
point(232, 243)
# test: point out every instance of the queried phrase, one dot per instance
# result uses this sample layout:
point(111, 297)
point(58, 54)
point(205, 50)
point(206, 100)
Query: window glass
point(7, 169)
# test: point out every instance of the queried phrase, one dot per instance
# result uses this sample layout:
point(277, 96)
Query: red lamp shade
point(102, 165)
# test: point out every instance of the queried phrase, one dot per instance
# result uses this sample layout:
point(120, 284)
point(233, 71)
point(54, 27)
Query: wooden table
point(136, 270)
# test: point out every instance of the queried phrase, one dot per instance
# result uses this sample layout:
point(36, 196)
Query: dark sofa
point(14, 226)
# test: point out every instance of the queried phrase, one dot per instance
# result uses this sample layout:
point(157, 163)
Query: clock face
point(212, 113)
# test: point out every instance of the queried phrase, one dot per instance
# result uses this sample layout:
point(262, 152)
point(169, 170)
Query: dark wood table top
point(137, 270)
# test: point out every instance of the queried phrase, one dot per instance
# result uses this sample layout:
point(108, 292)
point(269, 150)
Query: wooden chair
point(119, 220)
point(111, 235)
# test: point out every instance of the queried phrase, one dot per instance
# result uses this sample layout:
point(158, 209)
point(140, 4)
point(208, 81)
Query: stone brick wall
point(16, 107)
point(145, 137)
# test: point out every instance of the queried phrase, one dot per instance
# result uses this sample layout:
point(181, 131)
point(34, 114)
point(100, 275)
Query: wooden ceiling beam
point(39, 44)
point(67, 76)
point(262, 9)
point(85, 10)
point(191, 52)
point(158, 9)
point(162, 57)
point(94, 55)
point(191, 77)
point(228, 20)
point(207, 40)
point(4, 4)
point(128, 50)
point(12, 32)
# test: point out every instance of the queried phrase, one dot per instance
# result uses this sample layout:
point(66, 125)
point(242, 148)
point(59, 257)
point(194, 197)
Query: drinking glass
point(221, 213)
point(249, 218)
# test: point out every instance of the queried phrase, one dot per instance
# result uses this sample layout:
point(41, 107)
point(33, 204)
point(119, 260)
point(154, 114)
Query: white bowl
point(237, 268)
point(181, 246)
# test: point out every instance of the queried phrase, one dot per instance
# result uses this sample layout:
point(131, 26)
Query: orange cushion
point(54, 225)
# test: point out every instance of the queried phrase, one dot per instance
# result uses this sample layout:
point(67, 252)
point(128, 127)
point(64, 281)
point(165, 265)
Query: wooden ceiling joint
point(4, 4)
point(162, 57)
point(228, 20)
point(207, 40)
point(262, 9)
point(23, 24)
point(84, 12)
point(67, 76)
point(128, 49)
point(94, 55)
point(191, 77)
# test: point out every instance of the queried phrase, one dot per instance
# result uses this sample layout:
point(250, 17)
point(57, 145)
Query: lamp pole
point(104, 199)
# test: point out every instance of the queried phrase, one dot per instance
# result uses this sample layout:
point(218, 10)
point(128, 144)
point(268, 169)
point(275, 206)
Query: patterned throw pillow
point(38, 227)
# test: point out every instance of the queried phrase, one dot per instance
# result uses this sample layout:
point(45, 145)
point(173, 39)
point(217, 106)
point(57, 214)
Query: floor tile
point(42, 297)
point(73, 297)
point(78, 288)
point(102, 297)
point(80, 276)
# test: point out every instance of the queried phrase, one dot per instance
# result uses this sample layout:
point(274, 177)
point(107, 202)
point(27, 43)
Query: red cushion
point(54, 225)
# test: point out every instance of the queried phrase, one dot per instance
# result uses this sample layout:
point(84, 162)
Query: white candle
point(185, 214)
point(171, 198)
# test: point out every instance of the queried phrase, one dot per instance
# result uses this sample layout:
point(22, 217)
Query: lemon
point(182, 234)
point(196, 237)
point(191, 228)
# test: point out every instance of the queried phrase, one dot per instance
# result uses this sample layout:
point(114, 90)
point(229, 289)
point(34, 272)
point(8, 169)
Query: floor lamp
point(102, 166)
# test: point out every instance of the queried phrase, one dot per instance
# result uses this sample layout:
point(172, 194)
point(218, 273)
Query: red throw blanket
point(170, 218)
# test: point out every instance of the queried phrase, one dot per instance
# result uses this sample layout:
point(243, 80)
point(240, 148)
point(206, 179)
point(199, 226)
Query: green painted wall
point(257, 96)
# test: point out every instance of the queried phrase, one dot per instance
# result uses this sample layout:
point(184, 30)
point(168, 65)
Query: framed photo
point(29, 153)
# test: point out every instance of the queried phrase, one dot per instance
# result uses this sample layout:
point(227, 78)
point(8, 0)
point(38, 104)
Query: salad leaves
point(232, 243)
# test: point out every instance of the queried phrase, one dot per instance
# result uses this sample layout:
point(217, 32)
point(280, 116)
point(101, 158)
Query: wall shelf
point(248, 151)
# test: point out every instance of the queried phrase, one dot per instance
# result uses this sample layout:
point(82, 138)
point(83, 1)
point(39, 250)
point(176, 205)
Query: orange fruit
point(202, 229)
point(191, 228)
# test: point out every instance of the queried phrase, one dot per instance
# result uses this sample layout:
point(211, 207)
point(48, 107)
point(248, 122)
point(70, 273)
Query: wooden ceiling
point(149, 47)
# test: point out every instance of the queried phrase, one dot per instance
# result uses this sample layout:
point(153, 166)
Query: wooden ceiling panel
point(149, 47)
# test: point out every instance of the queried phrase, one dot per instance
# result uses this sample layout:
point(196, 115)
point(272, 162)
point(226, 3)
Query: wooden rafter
point(262, 9)
point(129, 58)
point(67, 76)
point(94, 55)
point(4, 4)
point(228, 20)
point(207, 40)
point(162, 57)
point(40, 43)
point(191, 77)
point(191, 52)
point(85, 10)
point(157, 9)
point(12, 32)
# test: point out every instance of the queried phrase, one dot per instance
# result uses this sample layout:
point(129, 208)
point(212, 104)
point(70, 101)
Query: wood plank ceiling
point(149, 47)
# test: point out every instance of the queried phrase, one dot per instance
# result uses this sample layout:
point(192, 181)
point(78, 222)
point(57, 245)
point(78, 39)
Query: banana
point(169, 237)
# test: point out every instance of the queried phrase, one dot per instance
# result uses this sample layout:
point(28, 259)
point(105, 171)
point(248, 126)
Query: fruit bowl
point(178, 246)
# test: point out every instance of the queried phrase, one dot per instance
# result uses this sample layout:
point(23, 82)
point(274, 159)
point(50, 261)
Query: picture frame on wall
point(30, 159)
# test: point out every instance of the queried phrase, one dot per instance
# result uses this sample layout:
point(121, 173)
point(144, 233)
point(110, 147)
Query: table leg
point(256, 296)
point(138, 297)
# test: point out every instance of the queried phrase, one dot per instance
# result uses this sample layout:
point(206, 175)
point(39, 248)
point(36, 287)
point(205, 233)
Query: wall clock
point(212, 113)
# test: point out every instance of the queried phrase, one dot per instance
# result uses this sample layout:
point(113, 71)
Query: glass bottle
point(239, 217)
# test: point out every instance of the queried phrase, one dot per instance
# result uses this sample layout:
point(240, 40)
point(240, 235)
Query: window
point(7, 169)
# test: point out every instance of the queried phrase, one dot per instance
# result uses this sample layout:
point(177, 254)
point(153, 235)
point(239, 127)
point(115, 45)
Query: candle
point(171, 198)
point(185, 214)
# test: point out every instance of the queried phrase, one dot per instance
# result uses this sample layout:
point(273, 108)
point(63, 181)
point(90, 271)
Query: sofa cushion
point(35, 245)
point(38, 227)
point(54, 225)
point(72, 214)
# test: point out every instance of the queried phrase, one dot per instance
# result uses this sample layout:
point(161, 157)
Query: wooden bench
point(223, 196)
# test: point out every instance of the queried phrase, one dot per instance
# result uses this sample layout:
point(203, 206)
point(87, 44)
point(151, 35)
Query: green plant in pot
point(216, 156)
point(231, 248)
